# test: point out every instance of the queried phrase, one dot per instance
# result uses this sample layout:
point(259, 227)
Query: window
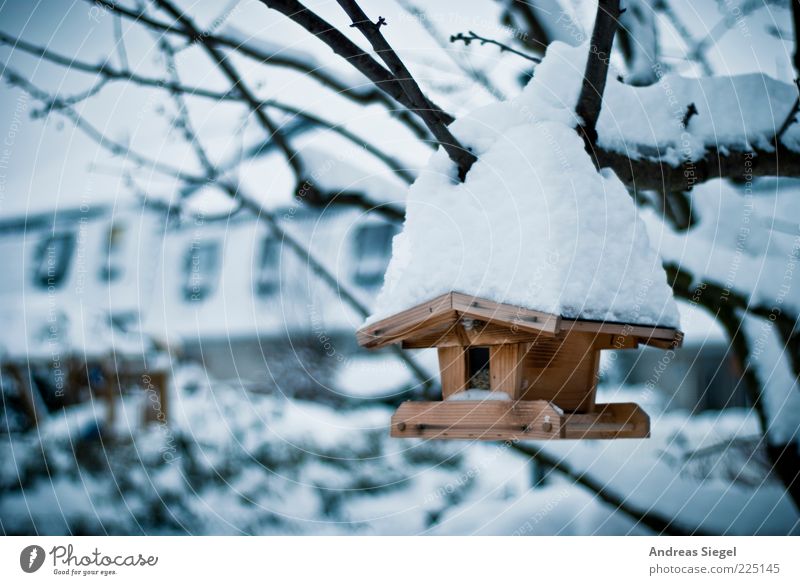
point(112, 253)
point(201, 270)
point(53, 256)
point(373, 247)
point(267, 274)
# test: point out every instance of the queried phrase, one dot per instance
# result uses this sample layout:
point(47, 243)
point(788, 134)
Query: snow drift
point(534, 224)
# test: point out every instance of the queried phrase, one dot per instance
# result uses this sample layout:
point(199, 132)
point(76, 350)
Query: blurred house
point(91, 293)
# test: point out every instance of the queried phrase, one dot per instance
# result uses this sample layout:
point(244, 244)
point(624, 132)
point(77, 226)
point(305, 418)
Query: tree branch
point(718, 162)
point(486, 41)
point(728, 307)
point(228, 69)
point(796, 23)
point(480, 77)
point(311, 70)
point(658, 523)
point(462, 157)
point(344, 47)
point(594, 78)
point(109, 73)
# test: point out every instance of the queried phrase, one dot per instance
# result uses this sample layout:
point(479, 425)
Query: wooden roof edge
point(398, 327)
point(386, 331)
point(621, 328)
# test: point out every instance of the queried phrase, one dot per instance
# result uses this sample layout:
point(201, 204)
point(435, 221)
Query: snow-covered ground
point(233, 462)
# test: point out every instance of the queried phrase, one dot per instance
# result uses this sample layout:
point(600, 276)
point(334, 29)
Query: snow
point(234, 462)
point(770, 358)
point(479, 394)
point(534, 224)
point(738, 111)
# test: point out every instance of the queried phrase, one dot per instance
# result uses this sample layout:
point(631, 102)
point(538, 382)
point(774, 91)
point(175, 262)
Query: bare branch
point(357, 94)
point(229, 70)
point(109, 73)
point(655, 521)
point(344, 47)
point(119, 42)
point(796, 22)
point(477, 75)
point(462, 157)
point(594, 78)
point(728, 308)
point(467, 39)
point(55, 104)
point(524, 16)
point(680, 27)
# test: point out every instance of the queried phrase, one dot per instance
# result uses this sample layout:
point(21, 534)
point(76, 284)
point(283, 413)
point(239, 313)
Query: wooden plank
point(674, 343)
point(516, 317)
point(491, 420)
point(608, 421)
point(453, 366)
point(482, 333)
point(562, 371)
point(442, 323)
point(505, 369)
point(640, 331)
point(393, 328)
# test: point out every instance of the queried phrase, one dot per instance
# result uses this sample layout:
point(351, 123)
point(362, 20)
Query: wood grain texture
point(608, 421)
point(440, 322)
point(515, 317)
point(562, 371)
point(453, 368)
point(505, 369)
point(491, 420)
point(495, 420)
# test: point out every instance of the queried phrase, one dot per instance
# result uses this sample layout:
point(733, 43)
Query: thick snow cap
point(534, 224)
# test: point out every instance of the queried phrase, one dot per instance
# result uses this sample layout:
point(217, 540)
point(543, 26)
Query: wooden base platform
point(501, 420)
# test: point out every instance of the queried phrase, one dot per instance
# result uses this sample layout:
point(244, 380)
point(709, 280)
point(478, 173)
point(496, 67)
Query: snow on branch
point(641, 133)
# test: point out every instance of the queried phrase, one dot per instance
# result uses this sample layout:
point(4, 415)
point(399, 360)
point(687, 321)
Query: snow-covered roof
point(534, 224)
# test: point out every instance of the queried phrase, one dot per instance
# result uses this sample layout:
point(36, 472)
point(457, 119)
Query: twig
point(54, 104)
point(691, 112)
point(665, 8)
point(120, 42)
point(229, 70)
point(462, 157)
point(486, 41)
point(344, 47)
point(360, 94)
point(109, 73)
point(477, 75)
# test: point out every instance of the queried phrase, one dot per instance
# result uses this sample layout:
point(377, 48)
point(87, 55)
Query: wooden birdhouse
point(510, 373)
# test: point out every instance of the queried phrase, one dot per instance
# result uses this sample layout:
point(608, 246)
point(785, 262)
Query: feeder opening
point(478, 368)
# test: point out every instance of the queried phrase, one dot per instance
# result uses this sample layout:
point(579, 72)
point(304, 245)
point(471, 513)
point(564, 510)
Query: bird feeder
point(510, 373)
